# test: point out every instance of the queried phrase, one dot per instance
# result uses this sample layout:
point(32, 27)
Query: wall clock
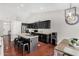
point(71, 17)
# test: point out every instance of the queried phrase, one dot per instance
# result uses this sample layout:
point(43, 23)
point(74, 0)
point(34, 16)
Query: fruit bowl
point(74, 43)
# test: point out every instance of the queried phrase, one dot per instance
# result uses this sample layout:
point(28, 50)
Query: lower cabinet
point(54, 38)
point(47, 38)
point(43, 38)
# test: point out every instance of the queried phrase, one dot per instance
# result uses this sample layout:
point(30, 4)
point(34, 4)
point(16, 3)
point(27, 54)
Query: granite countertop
point(44, 32)
point(47, 33)
point(27, 36)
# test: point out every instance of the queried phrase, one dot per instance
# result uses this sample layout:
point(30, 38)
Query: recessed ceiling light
point(18, 7)
point(41, 8)
point(5, 23)
point(21, 5)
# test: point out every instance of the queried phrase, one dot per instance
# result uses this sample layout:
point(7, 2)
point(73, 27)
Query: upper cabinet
point(45, 24)
point(39, 25)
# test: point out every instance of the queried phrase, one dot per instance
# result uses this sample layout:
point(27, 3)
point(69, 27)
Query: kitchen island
point(33, 40)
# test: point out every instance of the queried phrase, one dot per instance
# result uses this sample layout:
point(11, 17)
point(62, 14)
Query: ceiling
point(25, 9)
point(34, 7)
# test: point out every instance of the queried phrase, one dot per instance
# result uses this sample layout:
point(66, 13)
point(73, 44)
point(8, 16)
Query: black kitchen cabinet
point(29, 25)
point(39, 25)
point(54, 38)
point(47, 38)
point(44, 24)
point(34, 26)
point(42, 37)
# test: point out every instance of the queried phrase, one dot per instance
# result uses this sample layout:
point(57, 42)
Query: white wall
point(6, 27)
point(15, 29)
point(1, 28)
point(64, 30)
point(58, 24)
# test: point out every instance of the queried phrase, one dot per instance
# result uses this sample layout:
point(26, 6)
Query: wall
point(58, 24)
point(64, 30)
point(6, 27)
point(15, 29)
point(1, 28)
point(36, 17)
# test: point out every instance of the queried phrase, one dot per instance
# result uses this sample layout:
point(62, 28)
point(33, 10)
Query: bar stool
point(16, 42)
point(24, 45)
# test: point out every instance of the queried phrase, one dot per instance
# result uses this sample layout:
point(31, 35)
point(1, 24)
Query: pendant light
point(70, 15)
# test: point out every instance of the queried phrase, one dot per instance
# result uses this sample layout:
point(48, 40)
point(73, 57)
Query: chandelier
point(71, 17)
